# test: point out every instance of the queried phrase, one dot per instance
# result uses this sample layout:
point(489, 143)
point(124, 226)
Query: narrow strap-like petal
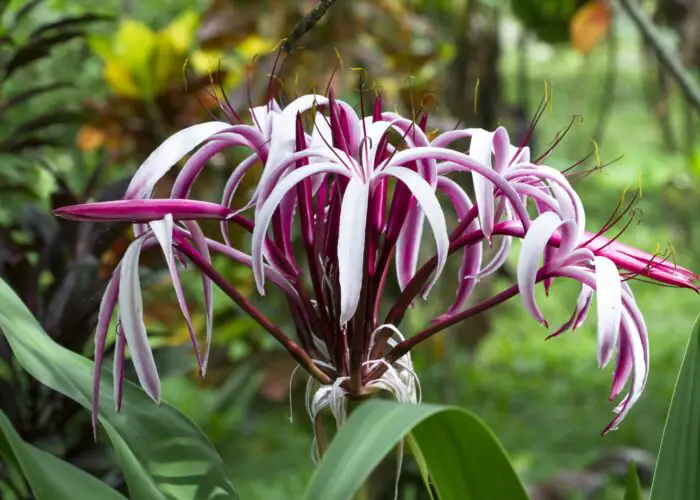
point(472, 255)
point(131, 315)
point(534, 243)
point(172, 150)
point(425, 196)
point(480, 149)
point(143, 210)
point(408, 244)
point(163, 231)
point(104, 316)
point(351, 246)
point(264, 216)
point(609, 302)
point(200, 244)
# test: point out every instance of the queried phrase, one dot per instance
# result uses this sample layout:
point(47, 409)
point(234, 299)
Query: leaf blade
point(49, 477)
point(382, 424)
point(163, 454)
point(679, 455)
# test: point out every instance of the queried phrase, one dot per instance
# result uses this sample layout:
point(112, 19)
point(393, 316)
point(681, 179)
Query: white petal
point(172, 150)
point(267, 210)
point(534, 243)
point(609, 303)
point(351, 246)
point(480, 150)
point(131, 315)
point(425, 196)
point(200, 243)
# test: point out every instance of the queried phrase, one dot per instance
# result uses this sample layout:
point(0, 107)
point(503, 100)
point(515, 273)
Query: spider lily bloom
point(362, 188)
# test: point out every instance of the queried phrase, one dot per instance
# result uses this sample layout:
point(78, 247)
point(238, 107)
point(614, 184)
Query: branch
point(308, 22)
point(666, 57)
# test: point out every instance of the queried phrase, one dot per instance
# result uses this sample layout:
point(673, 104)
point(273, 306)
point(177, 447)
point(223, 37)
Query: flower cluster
point(359, 190)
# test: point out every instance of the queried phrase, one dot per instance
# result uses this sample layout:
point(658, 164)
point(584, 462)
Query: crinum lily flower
point(361, 188)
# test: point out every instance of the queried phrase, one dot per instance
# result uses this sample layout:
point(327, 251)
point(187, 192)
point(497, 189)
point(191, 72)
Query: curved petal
point(230, 188)
point(131, 315)
point(143, 210)
point(446, 138)
point(501, 149)
point(283, 133)
point(200, 244)
point(534, 243)
point(194, 165)
point(430, 206)
point(609, 302)
point(351, 246)
point(471, 260)
point(480, 149)
point(104, 316)
point(172, 150)
point(461, 162)
point(163, 231)
point(579, 315)
point(264, 216)
point(408, 244)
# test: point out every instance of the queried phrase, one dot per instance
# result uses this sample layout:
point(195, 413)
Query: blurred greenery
point(545, 400)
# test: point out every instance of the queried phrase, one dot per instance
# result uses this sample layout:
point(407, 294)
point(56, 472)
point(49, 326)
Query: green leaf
point(634, 489)
point(69, 22)
point(675, 477)
point(38, 49)
point(162, 453)
point(21, 98)
point(50, 478)
point(465, 460)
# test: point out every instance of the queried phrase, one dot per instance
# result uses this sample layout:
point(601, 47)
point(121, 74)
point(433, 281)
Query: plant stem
point(666, 57)
point(305, 25)
point(294, 350)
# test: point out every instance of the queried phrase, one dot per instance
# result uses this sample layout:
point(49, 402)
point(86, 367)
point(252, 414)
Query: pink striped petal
point(609, 301)
point(131, 315)
point(640, 371)
point(230, 188)
point(472, 255)
point(534, 244)
point(501, 149)
point(425, 196)
point(461, 162)
point(143, 210)
point(163, 231)
point(200, 244)
point(267, 210)
point(446, 138)
point(104, 316)
point(172, 150)
point(480, 149)
point(283, 134)
point(579, 314)
point(408, 244)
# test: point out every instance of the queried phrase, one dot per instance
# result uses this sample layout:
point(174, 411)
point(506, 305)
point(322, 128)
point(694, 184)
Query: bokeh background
point(90, 88)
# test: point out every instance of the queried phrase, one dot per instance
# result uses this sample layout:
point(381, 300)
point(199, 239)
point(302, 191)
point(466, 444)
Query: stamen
point(226, 99)
point(559, 137)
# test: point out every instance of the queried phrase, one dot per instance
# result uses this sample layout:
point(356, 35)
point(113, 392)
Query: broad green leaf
point(634, 489)
point(49, 477)
point(675, 477)
point(162, 453)
point(465, 460)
